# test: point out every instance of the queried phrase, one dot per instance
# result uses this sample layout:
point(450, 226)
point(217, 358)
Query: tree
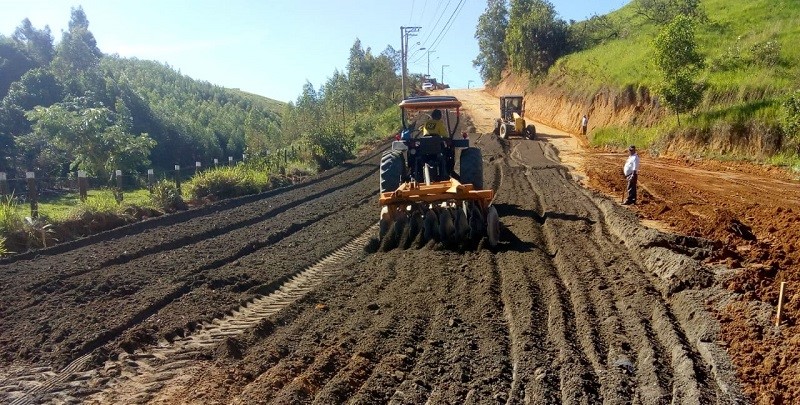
point(663, 11)
point(677, 58)
point(13, 63)
point(77, 57)
point(491, 35)
point(97, 139)
point(38, 44)
point(535, 37)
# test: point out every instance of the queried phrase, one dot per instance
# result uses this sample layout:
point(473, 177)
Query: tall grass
point(227, 182)
point(10, 219)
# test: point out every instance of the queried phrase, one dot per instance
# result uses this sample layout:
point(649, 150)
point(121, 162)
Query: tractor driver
point(434, 126)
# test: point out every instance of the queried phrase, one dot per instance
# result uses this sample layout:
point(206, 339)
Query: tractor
point(511, 121)
point(420, 189)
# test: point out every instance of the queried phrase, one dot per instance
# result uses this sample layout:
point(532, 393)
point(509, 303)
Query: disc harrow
point(448, 212)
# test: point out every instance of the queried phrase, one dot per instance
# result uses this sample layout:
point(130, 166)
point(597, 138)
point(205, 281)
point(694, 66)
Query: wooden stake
point(780, 305)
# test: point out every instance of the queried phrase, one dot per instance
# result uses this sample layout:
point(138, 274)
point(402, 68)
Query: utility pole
point(443, 66)
point(429, 62)
point(405, 32)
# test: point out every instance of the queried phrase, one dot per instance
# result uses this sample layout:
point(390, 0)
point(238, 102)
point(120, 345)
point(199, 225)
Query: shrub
point(3, 249)
point(227, 182)
point(790, 121)
point(766, 53)
point(10, 220)
point(165, 196)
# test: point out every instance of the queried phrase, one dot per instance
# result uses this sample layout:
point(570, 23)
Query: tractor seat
point(430, 145)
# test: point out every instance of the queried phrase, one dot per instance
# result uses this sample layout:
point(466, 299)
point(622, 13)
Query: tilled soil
point(753, 216)
point(285, 299)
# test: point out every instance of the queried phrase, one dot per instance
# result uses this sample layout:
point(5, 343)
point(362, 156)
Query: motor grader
point(511, 121)
point(421, 195)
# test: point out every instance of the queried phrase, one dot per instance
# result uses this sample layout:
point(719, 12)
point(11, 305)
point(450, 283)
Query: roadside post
point(118, 191)
point(151, 179)
point(780, 304)
point(33, 194)
point(83, 185)
point(178, 178)
point(230, 160)
point(3, 187)
point(216, 162)
point(196, 168)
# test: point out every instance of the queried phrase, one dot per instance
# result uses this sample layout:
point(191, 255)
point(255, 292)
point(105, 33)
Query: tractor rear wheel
point(392, 165)
point(471, 170)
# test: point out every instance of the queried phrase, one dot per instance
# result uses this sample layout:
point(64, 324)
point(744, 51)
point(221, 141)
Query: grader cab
point(422, 197)
point(511, 121)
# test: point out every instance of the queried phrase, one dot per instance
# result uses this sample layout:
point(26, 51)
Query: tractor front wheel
point(530, 131)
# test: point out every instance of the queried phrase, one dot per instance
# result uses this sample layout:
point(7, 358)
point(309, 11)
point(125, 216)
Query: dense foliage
point(491, 34)
point(528, 37)
point(679, 61)
point(346, 110)
point(69, 106)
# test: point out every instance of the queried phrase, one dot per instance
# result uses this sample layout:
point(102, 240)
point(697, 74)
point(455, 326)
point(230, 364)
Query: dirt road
point(750, 213)
point(282, 298)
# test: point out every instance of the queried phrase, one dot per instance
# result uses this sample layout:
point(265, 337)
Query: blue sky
point(272, 47)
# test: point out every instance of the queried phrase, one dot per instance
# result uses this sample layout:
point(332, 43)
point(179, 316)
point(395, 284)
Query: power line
point(425, 41)
point(445, 29)
point(412, 12)
point(448, 25)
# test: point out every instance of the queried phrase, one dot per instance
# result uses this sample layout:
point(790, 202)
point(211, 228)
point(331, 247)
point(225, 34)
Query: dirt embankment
point(550, 104)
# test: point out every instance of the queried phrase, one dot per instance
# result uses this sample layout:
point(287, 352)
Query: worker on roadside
point(584, 124)
point(434, 126)
point(631, 172)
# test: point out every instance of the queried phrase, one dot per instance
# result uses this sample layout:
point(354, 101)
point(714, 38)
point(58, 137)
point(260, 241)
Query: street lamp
point(429, 59)
point(443, 66)
point(469, 82)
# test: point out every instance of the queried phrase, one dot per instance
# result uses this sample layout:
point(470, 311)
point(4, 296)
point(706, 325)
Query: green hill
point(68, 106)
point(752, 66)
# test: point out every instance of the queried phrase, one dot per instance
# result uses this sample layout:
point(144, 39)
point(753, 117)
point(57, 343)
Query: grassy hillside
point(752, 63)
point(733, 29)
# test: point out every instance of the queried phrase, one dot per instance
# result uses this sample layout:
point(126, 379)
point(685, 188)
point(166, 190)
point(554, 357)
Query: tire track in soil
point(142, 373)
point(299, 380)
point(686, 367)
point(556, 367)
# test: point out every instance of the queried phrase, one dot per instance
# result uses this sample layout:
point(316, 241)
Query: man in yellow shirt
point(435, 126)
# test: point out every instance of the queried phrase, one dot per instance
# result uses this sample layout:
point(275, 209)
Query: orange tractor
point(420, 189)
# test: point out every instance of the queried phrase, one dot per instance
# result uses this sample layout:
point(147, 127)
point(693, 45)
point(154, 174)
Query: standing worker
point(631, 172)
point(584, 124)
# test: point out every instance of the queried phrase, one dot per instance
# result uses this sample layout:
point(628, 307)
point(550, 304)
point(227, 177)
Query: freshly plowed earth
point(753, 215)
point(285, 298)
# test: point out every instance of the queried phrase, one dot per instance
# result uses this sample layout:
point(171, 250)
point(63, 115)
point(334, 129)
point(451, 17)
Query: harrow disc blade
point(462, 225)
point(493, 226)
point(430, 226)
point(446, 228)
